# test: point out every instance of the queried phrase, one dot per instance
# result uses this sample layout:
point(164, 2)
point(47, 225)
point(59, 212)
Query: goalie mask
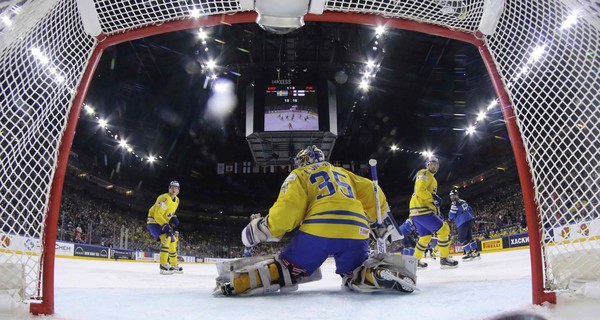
point(307, 156)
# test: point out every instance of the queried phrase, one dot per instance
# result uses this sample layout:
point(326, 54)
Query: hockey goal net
point(542, 57)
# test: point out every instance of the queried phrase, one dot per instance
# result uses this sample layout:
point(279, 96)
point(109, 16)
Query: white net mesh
point(549, 69)
point(43, 55)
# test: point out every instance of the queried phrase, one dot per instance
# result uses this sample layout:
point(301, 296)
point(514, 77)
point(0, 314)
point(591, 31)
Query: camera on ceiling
point(282, 16)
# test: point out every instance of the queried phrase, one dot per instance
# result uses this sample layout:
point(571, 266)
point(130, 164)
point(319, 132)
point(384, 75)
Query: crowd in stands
point(499, 213)
point(85, 218)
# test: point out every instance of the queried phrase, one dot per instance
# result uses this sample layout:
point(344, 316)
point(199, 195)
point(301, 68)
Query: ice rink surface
point(497, 285)
point(278, 122)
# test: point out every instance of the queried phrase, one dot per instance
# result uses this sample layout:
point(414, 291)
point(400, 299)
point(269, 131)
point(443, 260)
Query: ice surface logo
point(5, 241)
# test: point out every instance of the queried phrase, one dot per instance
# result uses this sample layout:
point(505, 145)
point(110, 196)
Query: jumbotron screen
point(291, 108)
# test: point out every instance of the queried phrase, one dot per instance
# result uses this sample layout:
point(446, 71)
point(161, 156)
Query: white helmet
point(307, 156)
point(174, 184)
point(454, 192)
point(431, 159)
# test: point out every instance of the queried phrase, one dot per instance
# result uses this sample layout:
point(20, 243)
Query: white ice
point(496, 285)
point(274, 123)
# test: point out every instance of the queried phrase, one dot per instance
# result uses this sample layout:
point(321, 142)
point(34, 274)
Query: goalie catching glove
point(256, 232)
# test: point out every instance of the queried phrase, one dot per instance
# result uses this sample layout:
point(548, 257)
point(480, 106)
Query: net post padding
point(525, 178)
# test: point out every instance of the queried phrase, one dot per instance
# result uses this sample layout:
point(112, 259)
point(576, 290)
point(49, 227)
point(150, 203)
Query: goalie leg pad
point(385, 272)
point(257, 276)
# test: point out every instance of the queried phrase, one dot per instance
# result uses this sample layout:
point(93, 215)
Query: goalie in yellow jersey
point(333, 209)
point(161, 220)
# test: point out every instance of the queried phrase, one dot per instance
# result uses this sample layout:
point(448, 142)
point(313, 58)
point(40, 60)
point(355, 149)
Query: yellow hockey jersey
point(326, 201)
point(163, 209)
point(421, 201)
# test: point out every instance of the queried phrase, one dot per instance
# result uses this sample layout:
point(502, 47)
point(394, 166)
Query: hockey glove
point(256, 232)
point(166, 228)
point(174, 221)
point(437, 200)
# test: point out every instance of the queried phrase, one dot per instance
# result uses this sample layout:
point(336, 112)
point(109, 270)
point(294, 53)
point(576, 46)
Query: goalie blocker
point(266, 274)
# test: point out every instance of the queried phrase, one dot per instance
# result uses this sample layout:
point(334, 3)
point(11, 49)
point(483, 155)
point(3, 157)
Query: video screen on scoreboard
point(291, 108)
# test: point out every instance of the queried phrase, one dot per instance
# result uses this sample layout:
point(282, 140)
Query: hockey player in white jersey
point(332, 209)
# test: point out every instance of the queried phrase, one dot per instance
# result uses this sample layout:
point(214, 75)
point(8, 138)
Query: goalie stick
point(380, 240)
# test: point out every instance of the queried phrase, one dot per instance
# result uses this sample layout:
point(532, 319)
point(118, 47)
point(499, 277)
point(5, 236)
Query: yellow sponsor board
point(490, 245)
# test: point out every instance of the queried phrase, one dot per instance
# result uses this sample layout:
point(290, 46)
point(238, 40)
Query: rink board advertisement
point(456, 248)
point(65, 249)
point(122, 254)
point(516, 240)
point(491, 245)
point(15, 242)
point(84, 250)
point(573, 232)
point(144, 256)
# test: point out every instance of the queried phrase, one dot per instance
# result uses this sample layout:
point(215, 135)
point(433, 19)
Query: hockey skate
point(467, 257)
point(166, 269)
point(448, 263)
point(475, 256)
point(223, 288)
point(422, 264)
point(177, 269)
point(393, 280)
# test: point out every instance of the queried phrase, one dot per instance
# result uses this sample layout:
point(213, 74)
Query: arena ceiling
point(426, 92)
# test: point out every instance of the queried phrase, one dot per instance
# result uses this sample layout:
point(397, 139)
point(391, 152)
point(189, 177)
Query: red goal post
point(543, 70)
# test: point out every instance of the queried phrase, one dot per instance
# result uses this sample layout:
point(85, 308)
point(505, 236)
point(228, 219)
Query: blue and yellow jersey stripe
point(325, 201)
point(421, 202)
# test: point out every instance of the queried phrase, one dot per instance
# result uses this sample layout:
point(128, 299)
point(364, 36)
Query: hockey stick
point(380, 240)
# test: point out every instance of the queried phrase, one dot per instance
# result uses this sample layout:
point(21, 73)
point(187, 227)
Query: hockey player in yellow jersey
point(161, 220)
point(424, 210)
point(332, 209)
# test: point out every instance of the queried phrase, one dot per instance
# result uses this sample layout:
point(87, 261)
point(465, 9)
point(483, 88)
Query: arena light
point(88, 109)
point(195, 13)
point(570, 20)
point(211, 64)
point(364, 85)
point(481, 116)
point(380, 30)
point(492, 104)
point(471, 130)
point(394, 147)
point(103, 123)
point(37, 53)
point(202, 35)
point(537, 53)
point(6, 20)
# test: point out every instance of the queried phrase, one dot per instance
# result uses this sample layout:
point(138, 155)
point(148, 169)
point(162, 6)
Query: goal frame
point(104, 41)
